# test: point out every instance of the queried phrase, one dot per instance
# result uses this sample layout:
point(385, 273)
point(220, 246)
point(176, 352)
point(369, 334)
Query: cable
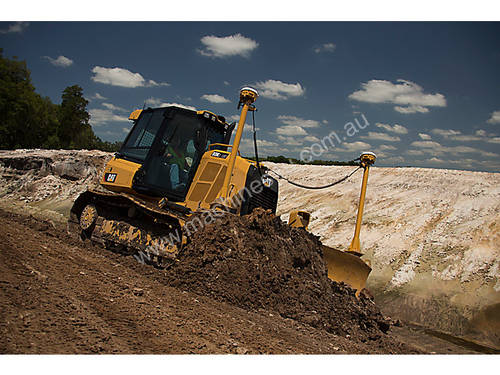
point(315, 187)
point(286, 179)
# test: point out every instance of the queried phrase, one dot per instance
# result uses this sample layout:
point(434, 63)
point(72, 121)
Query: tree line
point(28, 120)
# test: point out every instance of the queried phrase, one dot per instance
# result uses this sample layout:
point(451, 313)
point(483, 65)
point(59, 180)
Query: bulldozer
point(176, 165)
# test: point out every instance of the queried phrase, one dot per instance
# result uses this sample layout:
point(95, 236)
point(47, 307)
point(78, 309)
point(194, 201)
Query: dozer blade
point(346, 267)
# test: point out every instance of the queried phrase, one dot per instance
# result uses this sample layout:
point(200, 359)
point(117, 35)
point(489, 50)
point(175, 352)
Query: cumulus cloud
point(426, 144)
point(311, 138)
point(236, 118)
point(488, 154)
point(445, 132)
point(264, 143)
point(387, 148)
point(495, 118)
point(110, 113)
point(411, 109)
point(494, 140)
point(408, 96)
point(456, 135)
point(61, 61)
point(113, 107)
point(233, 118)
point(291, 141)
point(247, 146)
point(249, 128)
point(398, 129)
point(326, 47)
point(466, 138)
point(215, 98)
point(381, 137)
point(467, 150)
point(233, 45)
point(16, 27)
point(435, 148)
point(278, 90)
point(157, 103)
point(424, 137)
point(99, 116)
point(354, 146)
point(415, 152)
point(97, 96)
point(394, 159)
point(122, 77)
point(293, 120)
point(291, 130)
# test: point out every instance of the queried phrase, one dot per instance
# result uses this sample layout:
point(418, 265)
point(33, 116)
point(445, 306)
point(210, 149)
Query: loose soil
point(257, 261)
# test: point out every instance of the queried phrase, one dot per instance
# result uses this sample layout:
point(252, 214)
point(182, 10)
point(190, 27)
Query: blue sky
point(430, 91)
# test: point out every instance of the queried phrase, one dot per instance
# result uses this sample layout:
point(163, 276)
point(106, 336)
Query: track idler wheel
point(88, 218)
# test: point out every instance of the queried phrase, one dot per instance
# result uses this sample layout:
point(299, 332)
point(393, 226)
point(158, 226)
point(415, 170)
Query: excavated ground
point(61, 296)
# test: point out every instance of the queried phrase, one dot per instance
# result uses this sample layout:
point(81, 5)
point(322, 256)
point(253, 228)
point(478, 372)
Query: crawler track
point(128, 225)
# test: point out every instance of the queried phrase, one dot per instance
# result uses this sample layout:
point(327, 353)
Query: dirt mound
point(257, 261)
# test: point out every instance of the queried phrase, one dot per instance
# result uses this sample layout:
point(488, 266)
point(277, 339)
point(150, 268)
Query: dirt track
point(59, 296)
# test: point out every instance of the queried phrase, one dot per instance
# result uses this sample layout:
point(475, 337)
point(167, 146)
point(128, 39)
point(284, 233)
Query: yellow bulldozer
point(177, 164)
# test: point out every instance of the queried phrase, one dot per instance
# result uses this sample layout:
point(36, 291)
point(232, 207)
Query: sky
point(423, 94)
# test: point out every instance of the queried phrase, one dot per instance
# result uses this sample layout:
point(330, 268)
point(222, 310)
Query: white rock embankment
point(47, 179)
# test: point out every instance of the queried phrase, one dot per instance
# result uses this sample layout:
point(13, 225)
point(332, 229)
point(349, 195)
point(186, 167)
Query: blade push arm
point(367, 159)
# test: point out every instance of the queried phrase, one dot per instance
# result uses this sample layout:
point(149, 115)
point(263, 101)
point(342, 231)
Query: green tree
point(17, 102)
point(28, 120)
point(74, 128)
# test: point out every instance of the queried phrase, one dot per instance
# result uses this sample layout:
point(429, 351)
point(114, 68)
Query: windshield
point(140, 139)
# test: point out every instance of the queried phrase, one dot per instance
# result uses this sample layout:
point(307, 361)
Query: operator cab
point(169, 142)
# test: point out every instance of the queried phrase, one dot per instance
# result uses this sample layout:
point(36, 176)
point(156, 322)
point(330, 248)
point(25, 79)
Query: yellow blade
point(349, 268)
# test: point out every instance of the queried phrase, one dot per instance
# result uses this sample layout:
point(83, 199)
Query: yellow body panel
point(124, 171)
point(208, 181)
point(135, 115)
